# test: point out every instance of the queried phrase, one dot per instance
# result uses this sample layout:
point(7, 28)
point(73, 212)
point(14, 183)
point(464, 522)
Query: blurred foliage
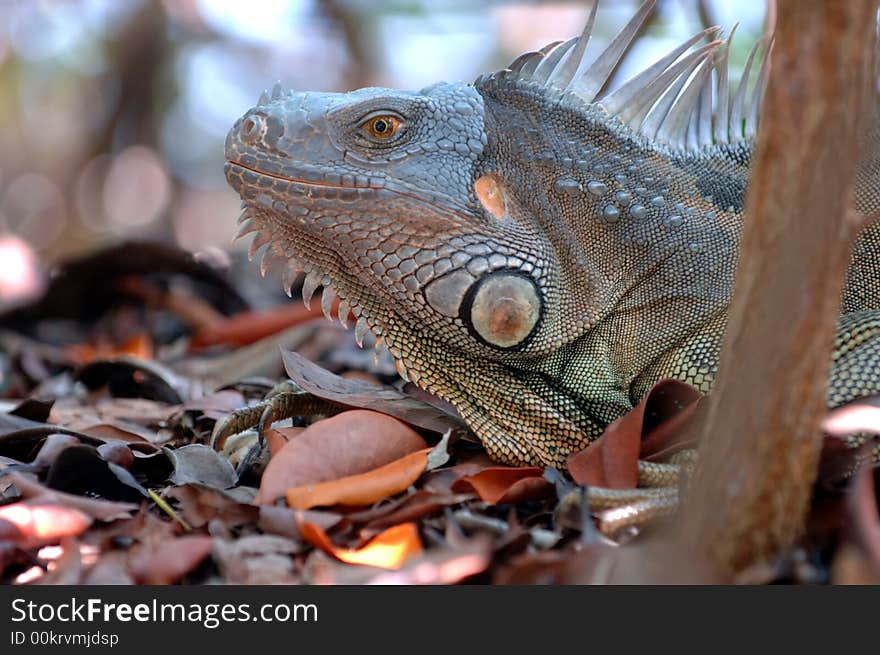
point(114, 112)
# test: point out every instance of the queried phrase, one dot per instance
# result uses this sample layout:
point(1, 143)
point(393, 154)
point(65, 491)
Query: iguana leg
point(284, 401)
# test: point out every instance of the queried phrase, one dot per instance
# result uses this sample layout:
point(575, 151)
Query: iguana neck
point(636, 230)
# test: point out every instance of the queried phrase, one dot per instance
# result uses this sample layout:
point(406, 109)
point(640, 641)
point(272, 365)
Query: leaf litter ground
point(113, 381)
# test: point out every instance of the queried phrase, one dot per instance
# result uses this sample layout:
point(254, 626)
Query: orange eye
point(382, 127)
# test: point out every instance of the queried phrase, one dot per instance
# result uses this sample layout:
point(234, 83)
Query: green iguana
point(531, 248)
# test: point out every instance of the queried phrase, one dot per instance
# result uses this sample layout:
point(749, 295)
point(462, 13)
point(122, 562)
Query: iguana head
point(376, 195)
point(443, 220)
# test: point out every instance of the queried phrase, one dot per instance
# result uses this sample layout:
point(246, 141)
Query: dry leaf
point(169, 560)
point(339, 446)
point(37, 523)
point(199, 464)
point(652, 427)
point(362, 488)
point(356, 393)
point(388, 550)
point(502, 484)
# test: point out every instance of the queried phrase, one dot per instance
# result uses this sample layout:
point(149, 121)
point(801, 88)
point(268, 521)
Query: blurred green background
point(114, 112)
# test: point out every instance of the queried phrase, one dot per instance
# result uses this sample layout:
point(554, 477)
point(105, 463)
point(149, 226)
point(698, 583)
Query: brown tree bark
point(761, 437)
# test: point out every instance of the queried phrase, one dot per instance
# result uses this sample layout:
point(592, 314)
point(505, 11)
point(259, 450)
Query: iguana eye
point(382, 127)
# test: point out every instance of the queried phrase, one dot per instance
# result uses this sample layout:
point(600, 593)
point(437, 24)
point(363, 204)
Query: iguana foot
point(286, 400)
point(656, 496)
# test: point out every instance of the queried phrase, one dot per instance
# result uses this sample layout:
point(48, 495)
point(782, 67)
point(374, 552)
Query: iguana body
point(532, 251)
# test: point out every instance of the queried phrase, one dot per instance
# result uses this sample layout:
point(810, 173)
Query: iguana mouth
point(248, 176)
point(369, 328)
point(247, 171)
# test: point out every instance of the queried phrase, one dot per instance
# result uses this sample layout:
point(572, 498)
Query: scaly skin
point(525, 255)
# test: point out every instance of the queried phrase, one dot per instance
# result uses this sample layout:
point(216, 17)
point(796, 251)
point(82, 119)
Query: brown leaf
point(169, 560)
point(653, 426)
point(417, 505)
point(501, 484)
point(82, 471)
point(127, 377)
point(339, 446)
point(356, 393)
point(362, 488)
point(389, 550)
point(200, 504)
point(125, 432)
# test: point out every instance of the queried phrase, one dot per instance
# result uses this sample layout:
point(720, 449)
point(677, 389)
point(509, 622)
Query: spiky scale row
point(676, 101)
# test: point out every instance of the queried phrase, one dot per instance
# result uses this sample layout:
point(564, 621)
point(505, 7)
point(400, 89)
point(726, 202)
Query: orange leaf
point(388, 550)
point(501, 484)
point(346, 444)
point(45, 522)
point(140, 346)
point(363, 488)
point(251, 326)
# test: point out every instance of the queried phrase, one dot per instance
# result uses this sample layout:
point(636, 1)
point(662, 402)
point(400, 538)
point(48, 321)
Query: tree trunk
point(761, 438)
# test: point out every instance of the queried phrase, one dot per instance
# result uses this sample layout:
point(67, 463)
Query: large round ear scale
point(503, 309)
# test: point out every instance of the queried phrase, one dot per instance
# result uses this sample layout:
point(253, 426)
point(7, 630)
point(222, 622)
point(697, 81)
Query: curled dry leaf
point(654, 426)
point(388, 550)
point(52, 446)
point(81, 470)
point(356, 393)
point(416, 505)
point(37, 523)
point(127, 377)
point(502, 484)
point(346, 444)
point(362, 488)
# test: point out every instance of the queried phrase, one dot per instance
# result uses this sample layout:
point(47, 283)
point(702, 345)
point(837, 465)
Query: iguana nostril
point(250, 127)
